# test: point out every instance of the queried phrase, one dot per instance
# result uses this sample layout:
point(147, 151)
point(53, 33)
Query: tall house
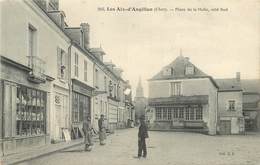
point(181, 96)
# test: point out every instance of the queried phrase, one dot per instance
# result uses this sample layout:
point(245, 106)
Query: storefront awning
point(198, 99)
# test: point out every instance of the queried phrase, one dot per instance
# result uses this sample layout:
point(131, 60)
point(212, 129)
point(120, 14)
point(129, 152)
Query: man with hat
point(87, 129)
point(142, 135)
point(102, 130)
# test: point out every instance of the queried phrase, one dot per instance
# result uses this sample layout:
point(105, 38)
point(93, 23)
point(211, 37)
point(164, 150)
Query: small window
point(76, 65)
point(85, 70)
point(231, 105)
point(105, 83)
point(62, 63)
point(189, 70)
point(168, 71)
point(96, 78)
point(176, 88)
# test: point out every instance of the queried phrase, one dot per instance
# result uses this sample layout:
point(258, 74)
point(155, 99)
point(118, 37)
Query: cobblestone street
point(163, 148)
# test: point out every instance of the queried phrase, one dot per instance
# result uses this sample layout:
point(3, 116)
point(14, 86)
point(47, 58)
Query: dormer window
point(168, 71)
point(189, 70)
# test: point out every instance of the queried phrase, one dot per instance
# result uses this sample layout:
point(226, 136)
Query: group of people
point(88, 132)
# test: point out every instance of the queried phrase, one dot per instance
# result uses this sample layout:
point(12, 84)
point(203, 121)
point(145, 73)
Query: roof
point(251, 85)
point(179, 66)
point(97, 50)
point(229, 84)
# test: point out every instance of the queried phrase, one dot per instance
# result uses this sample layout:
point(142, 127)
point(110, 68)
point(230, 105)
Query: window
point(198, 113)
point(76, 65)
point(168, 71)
point(176, 88)
point(187, 114)
point(181, 113)
point(105, 83)
point(164, 117)
point(96, 78)
point(169, 114)
point(231, 105)
point(158, 113)
point(31, 46)
point(189, 70)
point(175, 113)
point(110, 88)
point(85, 70)
point(32, 40)
point(80, 107)
point(61, 63)
point(115, 91)
point(30, 112)
point(192, 114)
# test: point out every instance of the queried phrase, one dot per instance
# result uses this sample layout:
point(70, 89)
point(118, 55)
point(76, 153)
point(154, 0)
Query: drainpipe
point(70, 84)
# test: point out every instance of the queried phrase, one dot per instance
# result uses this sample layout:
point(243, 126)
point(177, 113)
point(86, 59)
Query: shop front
point(81, 106)
point(24, 109)
point(188, 113)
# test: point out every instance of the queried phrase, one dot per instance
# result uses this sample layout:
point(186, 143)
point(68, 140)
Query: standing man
point(142, 135)
point(87, 129)
point(102, 130)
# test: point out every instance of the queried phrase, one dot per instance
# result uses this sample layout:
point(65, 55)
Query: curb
point(41, 155)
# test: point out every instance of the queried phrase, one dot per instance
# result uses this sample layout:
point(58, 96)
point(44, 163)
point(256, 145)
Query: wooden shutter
point(58, 62)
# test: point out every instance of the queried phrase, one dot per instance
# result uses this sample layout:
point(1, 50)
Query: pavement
point(164, 148)
point(37, 152)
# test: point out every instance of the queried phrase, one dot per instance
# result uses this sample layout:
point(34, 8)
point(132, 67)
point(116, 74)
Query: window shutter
point(58, 62)
point(66, 66)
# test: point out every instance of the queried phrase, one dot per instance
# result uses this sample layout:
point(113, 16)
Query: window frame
point(189, 70)
point(31, 111)
point(85, 70)
point(232, 107)
point(176, 88)
point(76, 65)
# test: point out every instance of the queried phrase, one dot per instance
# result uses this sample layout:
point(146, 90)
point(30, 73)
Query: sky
point(220, 43)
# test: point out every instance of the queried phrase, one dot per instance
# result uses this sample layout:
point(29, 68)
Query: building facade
point(28, 87)
point(251, 104)
point(48, 90)
point(183, 97)
point(230, 100)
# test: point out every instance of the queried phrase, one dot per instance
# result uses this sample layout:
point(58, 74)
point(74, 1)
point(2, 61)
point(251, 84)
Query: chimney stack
point(85, 37)
point(238, 76)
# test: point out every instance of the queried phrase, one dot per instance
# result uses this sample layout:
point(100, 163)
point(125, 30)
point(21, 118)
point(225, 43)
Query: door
point(225, 127)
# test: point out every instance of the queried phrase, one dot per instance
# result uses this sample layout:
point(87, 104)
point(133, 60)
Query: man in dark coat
point(142, 135)
point(87, 129)
point(102, 130)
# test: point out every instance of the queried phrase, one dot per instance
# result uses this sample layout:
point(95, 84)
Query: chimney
point(238, 76)
point(85, 37)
